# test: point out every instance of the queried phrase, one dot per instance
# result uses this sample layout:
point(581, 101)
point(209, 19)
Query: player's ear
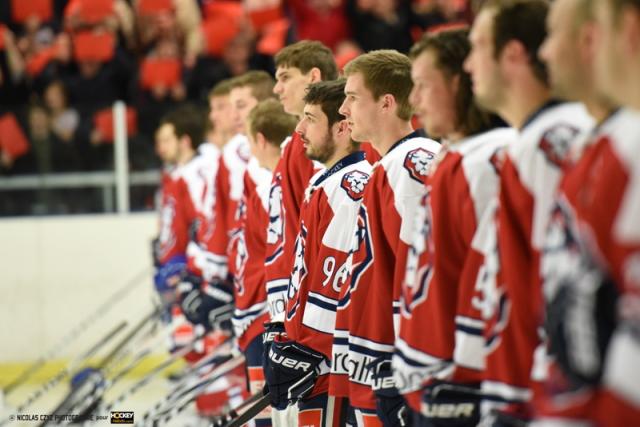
point(261, 141)
point(388, 103)
point(341, 128)
point(315, 75)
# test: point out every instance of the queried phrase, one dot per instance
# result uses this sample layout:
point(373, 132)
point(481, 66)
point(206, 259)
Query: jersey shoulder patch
point(556, 142)
point(418, 163)
point(354, 183)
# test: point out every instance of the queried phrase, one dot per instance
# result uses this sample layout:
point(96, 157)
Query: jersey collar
point(347, 160)
point(418, 133)
point(549, 104)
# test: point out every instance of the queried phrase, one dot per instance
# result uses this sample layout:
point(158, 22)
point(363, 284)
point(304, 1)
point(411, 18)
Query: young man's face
point(561, 52)
point(290, 87)
point(360, 109)
point(220, 113)
point(433, 96)
point(611, 60)
point(316, 134)
point(242, 102)
point(167, 144)
point(481, 63)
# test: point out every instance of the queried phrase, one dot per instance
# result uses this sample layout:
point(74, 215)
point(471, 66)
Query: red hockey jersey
point(368, 310)
point(210, 256)
point(247, 250)
point(186, 197)
point(205, 208)
point(327, 219)
point(290, 178)
point(595, 226)
point(528, 180)
point(442, 270)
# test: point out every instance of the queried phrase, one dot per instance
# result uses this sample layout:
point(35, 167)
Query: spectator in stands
point(64, 119)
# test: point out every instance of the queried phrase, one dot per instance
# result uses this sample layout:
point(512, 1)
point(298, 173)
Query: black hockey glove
point(211, 307)
point(391, 407)
point(447, 404)
point(290, 371)
point(580, 320)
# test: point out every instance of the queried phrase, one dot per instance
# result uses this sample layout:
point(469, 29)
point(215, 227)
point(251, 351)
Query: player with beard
point(327, 217)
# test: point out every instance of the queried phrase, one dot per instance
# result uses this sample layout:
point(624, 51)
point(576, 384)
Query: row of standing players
point(490, 277)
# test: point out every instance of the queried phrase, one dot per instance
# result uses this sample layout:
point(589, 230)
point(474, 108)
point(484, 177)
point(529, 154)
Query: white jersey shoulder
point(543, 146)
point(236, 155)
point(344, 191)
point(406, 167)
point(480, 153)
point(623, 131)
point(261, 177)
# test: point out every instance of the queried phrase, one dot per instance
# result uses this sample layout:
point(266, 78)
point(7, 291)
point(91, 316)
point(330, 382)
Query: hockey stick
point(76, 332)
point(85, 395)
point(210, 359)
point(189, 395)
point(252, 412)
point(67, 370)
point(233, 412)
point(155, 371)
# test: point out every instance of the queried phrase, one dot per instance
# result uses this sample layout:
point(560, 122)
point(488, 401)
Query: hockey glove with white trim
point(446, 404)
point(290, 371)
point(210, 307)
point(390, 405)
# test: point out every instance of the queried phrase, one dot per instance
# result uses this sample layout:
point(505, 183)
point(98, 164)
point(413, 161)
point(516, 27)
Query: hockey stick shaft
point(251, 412)
point(155, 371)
point(180, 386)
point(189, 395)
point(233, 413)
point(62, 374)
point(95, 394)
point(76, 332)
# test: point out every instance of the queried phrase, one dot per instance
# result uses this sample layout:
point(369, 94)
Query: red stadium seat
point(155, 72)
point(262, 17)
point(90, 11)
point(37, 63)
point(90, 46)
point(150, 7)
point(21, 10)
point(12, 138)
point(103, 121)
point(273, 37)
point(225, 8)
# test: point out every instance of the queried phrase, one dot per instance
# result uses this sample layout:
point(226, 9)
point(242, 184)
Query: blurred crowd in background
point(63, 63)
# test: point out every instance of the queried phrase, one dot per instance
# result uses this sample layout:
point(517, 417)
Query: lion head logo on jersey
point(166, 237)
point(354, 183)
point(556, 142)
point(418, 163)
point(275, 230)
point(418, 271)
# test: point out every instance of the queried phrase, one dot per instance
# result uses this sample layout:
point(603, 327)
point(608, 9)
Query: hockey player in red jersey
point(440, 348)
point(177, 138)
point(327, 219)
point(377, 110)
point(200, 260)
point(297, 66)
point(207, 299)
point(590, 261)
point(572, 77)
point(509, 79)
point(268, 125)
